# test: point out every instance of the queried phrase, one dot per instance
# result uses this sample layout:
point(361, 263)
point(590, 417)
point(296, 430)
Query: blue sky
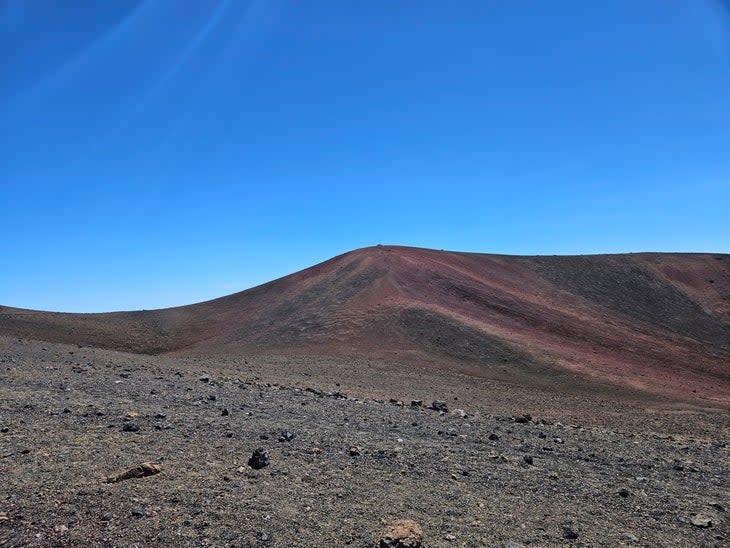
point(158, 153)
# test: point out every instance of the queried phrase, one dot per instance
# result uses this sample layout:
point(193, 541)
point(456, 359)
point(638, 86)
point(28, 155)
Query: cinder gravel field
point(631, 473)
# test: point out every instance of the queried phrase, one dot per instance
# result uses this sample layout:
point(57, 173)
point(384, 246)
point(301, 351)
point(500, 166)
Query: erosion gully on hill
point(584, 401)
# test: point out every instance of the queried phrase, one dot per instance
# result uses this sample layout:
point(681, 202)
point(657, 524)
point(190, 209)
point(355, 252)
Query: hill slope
point(660, 322)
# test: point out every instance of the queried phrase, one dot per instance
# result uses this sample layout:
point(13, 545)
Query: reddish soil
point(654, 322)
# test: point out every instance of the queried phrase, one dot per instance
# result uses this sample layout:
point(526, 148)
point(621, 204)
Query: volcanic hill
point(654, 321)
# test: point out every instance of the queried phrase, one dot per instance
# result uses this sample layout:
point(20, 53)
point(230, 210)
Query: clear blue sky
point(157, 153)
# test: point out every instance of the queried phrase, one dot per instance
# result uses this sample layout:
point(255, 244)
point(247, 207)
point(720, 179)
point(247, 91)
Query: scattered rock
point(528, 460)
point(286, 436)
point(493, 436)
point(130, 427)
point(569, 533)
point(355, 451)
point(138, 512)
point(522, 419)
point(259, 458)
point(416, 403)
point(701, 520)
point(139, 471)
point(263, 536)
point(624, 493)
point(204, 378)
point(224, 413)
point(459, 413)
point(404, 533)
point(440, 405)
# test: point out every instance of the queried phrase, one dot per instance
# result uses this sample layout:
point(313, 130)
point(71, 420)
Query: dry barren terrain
point(496, 401)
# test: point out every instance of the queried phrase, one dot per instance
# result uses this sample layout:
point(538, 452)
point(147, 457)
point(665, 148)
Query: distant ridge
point(655, 321)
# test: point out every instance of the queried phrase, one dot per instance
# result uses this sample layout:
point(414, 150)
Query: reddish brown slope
point(653, 321)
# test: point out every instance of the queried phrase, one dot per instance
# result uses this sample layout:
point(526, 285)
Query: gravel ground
point(634, 476)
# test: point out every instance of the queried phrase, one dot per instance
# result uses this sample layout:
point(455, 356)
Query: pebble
point(286, 436)
point(569, 532)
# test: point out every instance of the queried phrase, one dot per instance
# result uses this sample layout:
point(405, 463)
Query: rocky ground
point(344, 461)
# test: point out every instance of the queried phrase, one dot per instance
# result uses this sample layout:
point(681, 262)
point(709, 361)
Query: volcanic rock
point(404, 533)
point(139, 471)
point(259, 458)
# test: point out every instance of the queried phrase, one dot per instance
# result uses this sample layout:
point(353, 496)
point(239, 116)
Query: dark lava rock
point(522, 419)
point(139, 512)
point(416, 403)
point(204, 378)
point(130, 427)
point(224, 413)
point(623, 493)
point(259, 458)
point(493, 436)
point(440, 405)
point(528, 460)
point(286, 436)
point(263, 536)
point(569, 532)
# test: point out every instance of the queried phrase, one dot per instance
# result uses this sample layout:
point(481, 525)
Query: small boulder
point(404, 533)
